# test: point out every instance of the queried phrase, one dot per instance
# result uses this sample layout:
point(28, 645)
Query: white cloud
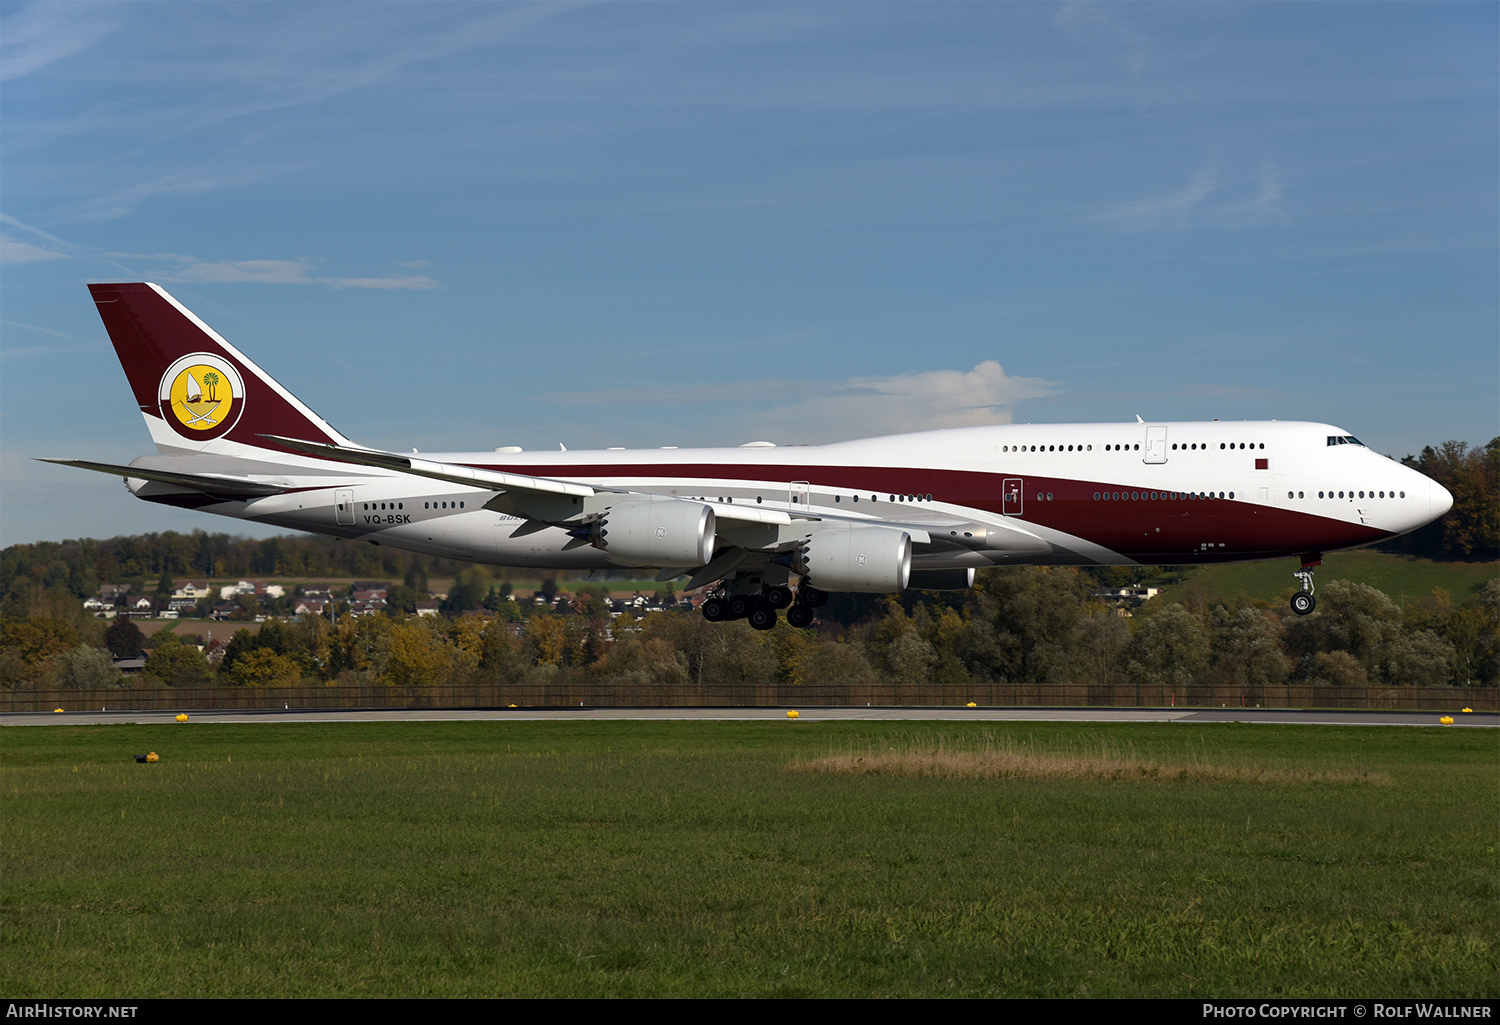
point(15, 251)
point(273, 272)
point(266, 272)
point(1207, 201)
point(915, 402)
point(1172, 212)
point(182, 182)
point(815, 411)
point(1264, 206)
point(1100, 28)
point(41, 33)
point(410, 281)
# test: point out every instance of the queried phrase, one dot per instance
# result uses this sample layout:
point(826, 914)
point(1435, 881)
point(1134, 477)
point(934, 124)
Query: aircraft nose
point(1439, 499)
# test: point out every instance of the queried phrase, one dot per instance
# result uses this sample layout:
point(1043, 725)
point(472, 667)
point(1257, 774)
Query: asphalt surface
point(1355, 717)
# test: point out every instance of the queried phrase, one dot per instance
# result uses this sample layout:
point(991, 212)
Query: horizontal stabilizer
point(228, 488)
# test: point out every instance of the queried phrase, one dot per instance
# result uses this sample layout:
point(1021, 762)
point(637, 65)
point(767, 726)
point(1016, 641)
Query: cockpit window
point(1344, 439)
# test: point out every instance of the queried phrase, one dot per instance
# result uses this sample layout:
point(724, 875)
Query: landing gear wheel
point(716, 610)
point(811, 596)
point(740, 606)
point(1303, 601)
point(799, 616)
point(777, 596)
point(762, 617)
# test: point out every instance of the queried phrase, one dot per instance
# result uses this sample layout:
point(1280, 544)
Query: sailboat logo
point(201, 396)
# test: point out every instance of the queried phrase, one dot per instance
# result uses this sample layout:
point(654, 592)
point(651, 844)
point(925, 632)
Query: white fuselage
point(1111, 494)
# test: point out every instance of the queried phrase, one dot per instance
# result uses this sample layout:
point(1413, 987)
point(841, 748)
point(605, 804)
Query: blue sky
point(454, 226)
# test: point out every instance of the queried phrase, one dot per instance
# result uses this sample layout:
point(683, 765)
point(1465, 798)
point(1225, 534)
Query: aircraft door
point(1156, 445)
point(799, 493)
point(1010, 496)
point(343, 506)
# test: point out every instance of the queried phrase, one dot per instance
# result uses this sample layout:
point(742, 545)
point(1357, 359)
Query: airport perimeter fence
point(574, 693)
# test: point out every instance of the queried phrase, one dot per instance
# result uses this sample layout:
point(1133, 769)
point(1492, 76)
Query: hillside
point(1401, 577)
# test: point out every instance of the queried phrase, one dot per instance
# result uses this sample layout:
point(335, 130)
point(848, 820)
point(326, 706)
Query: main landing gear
point(1303, 601)
point(760, 607)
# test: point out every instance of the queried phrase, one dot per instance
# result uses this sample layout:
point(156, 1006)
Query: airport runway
point(1364, 717)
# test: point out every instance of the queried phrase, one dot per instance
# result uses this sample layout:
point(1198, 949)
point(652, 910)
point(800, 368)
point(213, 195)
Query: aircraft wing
point(529, 488)
point(226, 487)
point(452, 473)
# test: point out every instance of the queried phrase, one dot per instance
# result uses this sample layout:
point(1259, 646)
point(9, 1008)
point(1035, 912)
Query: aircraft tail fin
point(197, 392)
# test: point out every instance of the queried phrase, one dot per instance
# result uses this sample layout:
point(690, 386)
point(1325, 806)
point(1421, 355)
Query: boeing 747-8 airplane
point(773, 528)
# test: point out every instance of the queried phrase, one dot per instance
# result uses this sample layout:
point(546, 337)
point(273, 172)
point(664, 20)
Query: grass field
point(693, 859)
point(1401, 577)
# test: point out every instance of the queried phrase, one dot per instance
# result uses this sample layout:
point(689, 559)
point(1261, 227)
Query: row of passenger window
point(1154, 496)
point(796, 499)
point(402, 505)
point(1352, 494)
point(1176, 447)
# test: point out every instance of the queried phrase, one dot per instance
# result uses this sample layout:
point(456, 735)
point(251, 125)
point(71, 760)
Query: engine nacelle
point(664, 533)
point(873, 560)
point(941, 579)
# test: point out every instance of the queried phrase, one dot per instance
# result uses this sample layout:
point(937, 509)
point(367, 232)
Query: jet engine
point(941, 579)
point(874, 560)
point(665, 533)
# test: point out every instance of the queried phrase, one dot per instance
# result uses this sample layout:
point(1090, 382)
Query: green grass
point(1401, 577)
point(645, 859)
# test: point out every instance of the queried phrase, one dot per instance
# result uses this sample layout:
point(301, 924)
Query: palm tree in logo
point(211, 379)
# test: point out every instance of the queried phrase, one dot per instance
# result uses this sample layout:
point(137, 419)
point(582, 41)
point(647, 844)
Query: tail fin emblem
point(202, 396)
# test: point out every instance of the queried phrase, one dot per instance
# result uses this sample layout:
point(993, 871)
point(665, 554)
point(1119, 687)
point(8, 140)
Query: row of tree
point(1016, 624)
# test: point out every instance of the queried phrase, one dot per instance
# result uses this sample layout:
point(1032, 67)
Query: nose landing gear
point(1303, 601)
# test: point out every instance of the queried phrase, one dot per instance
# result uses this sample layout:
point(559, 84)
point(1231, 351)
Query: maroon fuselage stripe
point(1161, 530)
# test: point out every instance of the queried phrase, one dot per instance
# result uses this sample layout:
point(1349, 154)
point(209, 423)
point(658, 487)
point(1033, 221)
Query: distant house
point(97, 606)
point(253, 588)
point(1128, 595)
point(427, 608)
point(191, 589)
